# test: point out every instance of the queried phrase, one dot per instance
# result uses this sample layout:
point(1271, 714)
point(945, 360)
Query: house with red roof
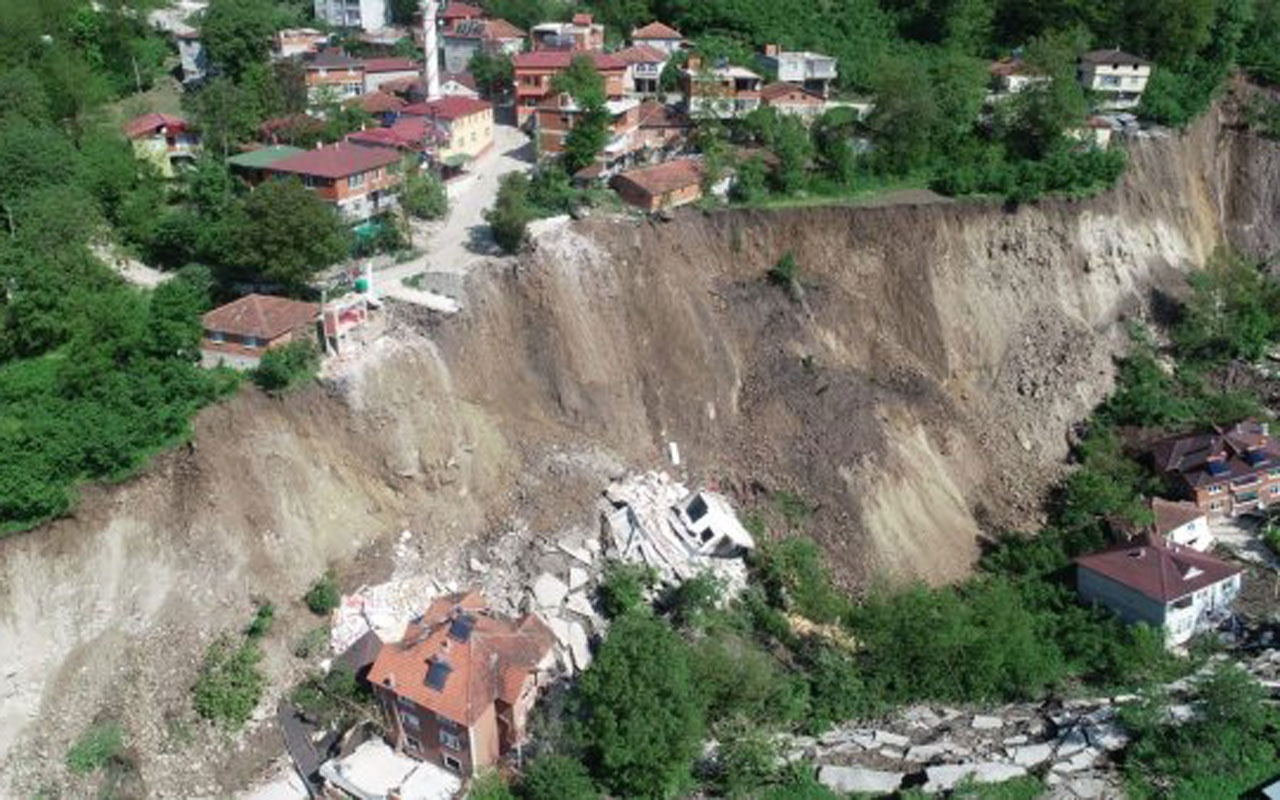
point(662, 186)
point(456, 12)
point(378, 71)
point(1224, 472)
point(658, 36)
point(332, 75)
point(166, 140)
point(418, 136)
point(360, 182)
point(239, 333)
point(724, 91)
point(535, 71)
point(789, 98)
point(457, 689)
point(1182, 523)
point(1172, 588)
point(581, 34)
point(467, 123)
point(644, 69)
point(461, 40)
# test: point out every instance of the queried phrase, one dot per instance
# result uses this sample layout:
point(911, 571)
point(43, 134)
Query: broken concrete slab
point(1087, 788)
point(579, 604)
point(560, 628)
point(943, 778)
point(926, 752)
point(578, 646)
point(1110, 736)
point(577, 551)
point(1032, 754)
point(548, 591)
point(984, 723)
point(1072, 742)
point(577, 578)
point(859, 780)
point(891, 739)
point(1080, 761)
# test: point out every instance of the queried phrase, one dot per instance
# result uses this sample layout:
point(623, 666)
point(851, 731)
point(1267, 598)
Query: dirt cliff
point(918, 390)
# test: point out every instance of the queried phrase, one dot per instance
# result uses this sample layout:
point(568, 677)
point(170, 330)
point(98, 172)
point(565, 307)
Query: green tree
point(227, 115)
point(237, 34)
point(794, 149)
point(424, 196)
point(905, 117)
point(288, 234)
point(230, 682)
point(623, 587)
point(493, 72)
point(22, 95)
point(640, 722)
point(750, 184)
point(553, 777)
point(510, 216)
point(590, 131)
point(284, 368)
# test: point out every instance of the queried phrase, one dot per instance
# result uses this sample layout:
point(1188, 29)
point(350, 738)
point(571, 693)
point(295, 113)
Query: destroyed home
point(1182, 523)
point(1116, 77)
point(661, 187)
point(458, 688)
point(1225, 473)
point(360, 182)
point(238, 333)
point(464, 38)
point(581, 34)
point(165, 140)
point(723, 90)
point(291, 42)
point(663, 38)
point(1172, 588)
point(534, 73)
point(813, 72)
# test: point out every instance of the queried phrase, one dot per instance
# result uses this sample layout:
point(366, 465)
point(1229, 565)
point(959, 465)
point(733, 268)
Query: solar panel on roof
point(437, 674)
point(460, 628)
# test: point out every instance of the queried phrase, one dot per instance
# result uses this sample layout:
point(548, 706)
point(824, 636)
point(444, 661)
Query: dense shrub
point(554, 777)
point(510, 216)
point(230, 682)
point(424, 196)
point(323, 596)
point(623, 587)
point(287, 367)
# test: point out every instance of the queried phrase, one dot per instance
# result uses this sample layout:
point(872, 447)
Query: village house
point(360, 182)
point(1169, 587)
point(534, 73)
point(165, 140)
point(583, 33)
point(380, 71)
point(382, 105)
point(722, 91)
point(560, 113)
point(468, 124)
point(1012, 75)
point(660, 37)
point(192, 58)
point(662, 186)
point(452, 13)
point(419, 137)
point(251, 166)
point(793, 100)
point(333, 75)
point(812, 71)
point(238, 333)
point(292, 42)
point(464, 38)
point(663, 129)
point(1118, 78)
point(368, 15)
point(644, 69)
point(459, 84)
point(290, 129)
point(1225, 473)
point(1182, 523)
point(458, 688)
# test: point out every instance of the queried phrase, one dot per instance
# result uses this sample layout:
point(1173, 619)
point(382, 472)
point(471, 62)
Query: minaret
point(431, 60)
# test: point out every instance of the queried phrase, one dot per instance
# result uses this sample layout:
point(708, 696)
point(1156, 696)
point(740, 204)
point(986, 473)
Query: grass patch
point(312, 643)
point(95, 748)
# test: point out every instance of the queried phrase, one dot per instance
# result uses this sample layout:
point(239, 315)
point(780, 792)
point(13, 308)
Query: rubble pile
point(563, 598)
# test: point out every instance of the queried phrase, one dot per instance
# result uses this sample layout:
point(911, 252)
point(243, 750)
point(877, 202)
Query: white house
point(1170, 587)
point(1182, 523)
point(711, 528)
point(368, 15)
point(1118, 77)
point(813, 71)
point(1012, 75)
point(644, 69)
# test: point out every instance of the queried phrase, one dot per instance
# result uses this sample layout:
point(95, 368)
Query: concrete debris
point(577, 551)
point(652, 519)
point(385, 608)
point(850, 780)
point(579, 604)
point(577, 578)
point(1081, 760)
point(981, 723)
point(1072, 742)
point(478, 566)
point(891, 739)
point(927, 752)
point(1032, 754)
point(578, 646)
point(1109, 736)
point(548, 591)
point(945, 777)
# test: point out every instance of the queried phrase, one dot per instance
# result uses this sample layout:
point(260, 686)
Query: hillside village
point(640, 650)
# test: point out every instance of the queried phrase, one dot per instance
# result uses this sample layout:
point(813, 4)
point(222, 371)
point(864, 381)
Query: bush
point(555, 777)
point(312, 643)
point(623, 587)
point(283, 368)
point(794, 578)
point(746, 760)
point(230, 682)
point(489, 785)
point(786, 274)
point(511, 213)
point(424, 196)
point(260, 625)
point(323, 596)
point(95, 748)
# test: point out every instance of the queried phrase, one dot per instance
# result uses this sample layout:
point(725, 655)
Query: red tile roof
point(336, 161)
point(460, 11)
point(664, 178)
point(262, 316)
point(790, 92)
point(656, 30)
point(654, 114)
point(1158, 570)
point(1244, 449)
point(408, 133)
point(148, 124)
point(561, 59)
point(501, 29)
point(332, 58)
point(640, 54)
point(1171, 515)
point(390, 65)
point(377, 102)
point(461, 78)
point(448, 107)
point(494, 662)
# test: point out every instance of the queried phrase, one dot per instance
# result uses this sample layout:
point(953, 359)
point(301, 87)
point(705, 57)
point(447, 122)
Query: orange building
point(534, 73)
point(458, 688)
point(662, 186)
point(238, 333)
point(361, 182)
point(559, 114)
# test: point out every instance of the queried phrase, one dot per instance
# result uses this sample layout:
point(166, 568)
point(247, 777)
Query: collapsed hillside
point(920, 391)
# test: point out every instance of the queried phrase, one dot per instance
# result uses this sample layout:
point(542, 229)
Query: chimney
point(771, 50)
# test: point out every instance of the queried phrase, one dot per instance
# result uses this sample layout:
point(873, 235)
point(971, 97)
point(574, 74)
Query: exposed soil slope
point(921, 390)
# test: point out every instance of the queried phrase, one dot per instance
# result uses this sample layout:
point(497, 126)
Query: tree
point(227, 114)
point(750, 183)
point(22, 94)
point(493, 72)
point(230, 682)
point(590, 131)
point(640, 719)
point(424, 196)
point(553, 777)
point(283, 368)
point(237, 34)
point(793, 147)
point(1035, 119)
point(905, 117)
point(509, 218)
point(288, 233)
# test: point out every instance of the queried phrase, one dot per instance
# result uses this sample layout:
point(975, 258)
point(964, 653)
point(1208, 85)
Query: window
point(355, 181)
point(450, 740)
point(252, 341)
point(1215, 488)
point(410, 721)
point(215, 336)
point(1112, 81)
point(1275, 490)
point(412, 743)
point(453, 763)
point(1215, 505)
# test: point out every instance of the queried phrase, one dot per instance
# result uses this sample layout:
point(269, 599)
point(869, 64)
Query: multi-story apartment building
point(644, 69)
point(559, 114)
point(581, 34)
point(360, 182)
point(1118, 78)
point(722, 91)
point(812, 71)
point(369, 15)
point(467, 124)
point(535, 71)
point(1225, 473)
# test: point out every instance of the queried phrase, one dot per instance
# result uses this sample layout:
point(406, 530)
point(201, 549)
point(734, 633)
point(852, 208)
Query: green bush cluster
point(95, 748)
point(230, 682)
point(287, 367)
point(324, 595)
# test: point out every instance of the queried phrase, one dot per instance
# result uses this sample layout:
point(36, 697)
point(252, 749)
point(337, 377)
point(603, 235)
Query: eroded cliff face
point(919, 392)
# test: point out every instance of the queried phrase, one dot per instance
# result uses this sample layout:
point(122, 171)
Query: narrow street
point(455, 245)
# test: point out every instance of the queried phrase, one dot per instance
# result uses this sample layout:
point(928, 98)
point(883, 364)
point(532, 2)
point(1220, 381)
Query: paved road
point(463, 239)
